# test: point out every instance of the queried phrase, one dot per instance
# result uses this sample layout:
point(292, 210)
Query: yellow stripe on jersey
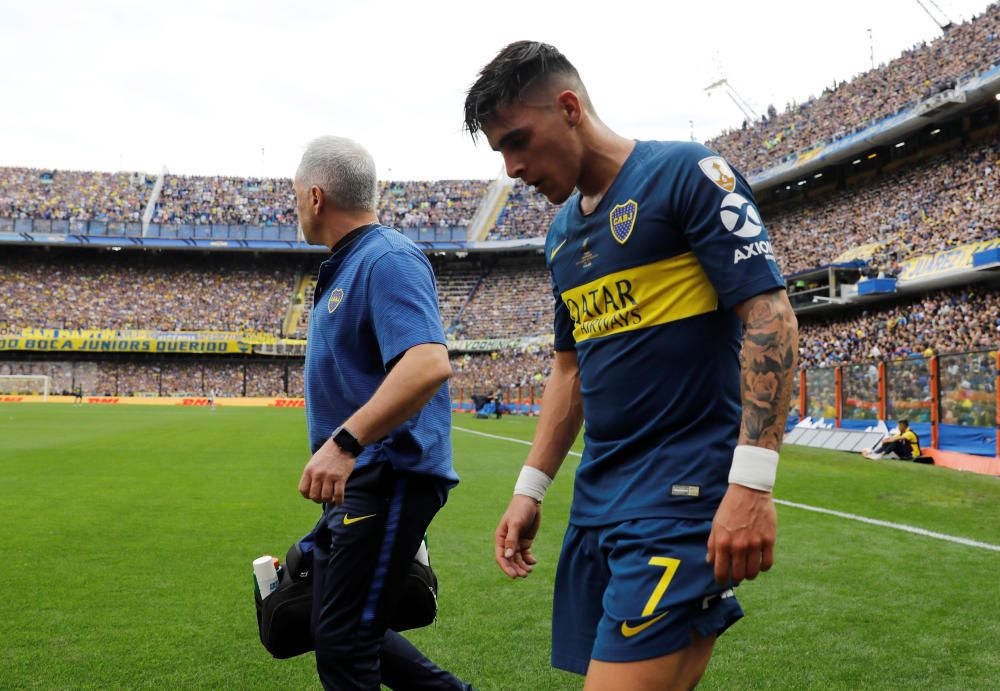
point(640, 297)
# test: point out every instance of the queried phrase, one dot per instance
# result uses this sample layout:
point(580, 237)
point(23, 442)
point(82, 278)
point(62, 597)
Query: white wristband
point(533, 483)
point(754, 467)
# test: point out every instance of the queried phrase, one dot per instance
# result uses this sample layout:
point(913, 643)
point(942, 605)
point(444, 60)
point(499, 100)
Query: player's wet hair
point(501, 82)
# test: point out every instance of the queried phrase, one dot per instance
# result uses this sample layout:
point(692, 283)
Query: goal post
point(25, 384)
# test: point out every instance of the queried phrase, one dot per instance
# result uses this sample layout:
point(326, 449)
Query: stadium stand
point(217, 199)
point(402, 204)
point(72, 195)
point(456, 281)
point(848, 106)
point(308, 291)
point(512, 300)
point(201, 200)
point(144, 290)
point(937, 194)
point(194, 377)
point(956, 320)
point(510, 369)
point(419, 204)
point(933, 205)
point(526, 214)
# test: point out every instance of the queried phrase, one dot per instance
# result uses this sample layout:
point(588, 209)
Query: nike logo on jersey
point(348, 520)
point(629, 631)
point(556, 249)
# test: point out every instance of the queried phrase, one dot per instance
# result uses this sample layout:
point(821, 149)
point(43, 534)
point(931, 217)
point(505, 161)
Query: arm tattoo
point(767, 364)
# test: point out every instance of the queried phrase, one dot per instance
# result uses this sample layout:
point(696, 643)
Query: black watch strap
point(343, 438)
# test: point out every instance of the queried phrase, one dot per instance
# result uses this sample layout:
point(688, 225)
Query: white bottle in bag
point(421, 554)
point(266, 575)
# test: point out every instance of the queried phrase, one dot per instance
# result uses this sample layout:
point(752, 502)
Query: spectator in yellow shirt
point(904, 446)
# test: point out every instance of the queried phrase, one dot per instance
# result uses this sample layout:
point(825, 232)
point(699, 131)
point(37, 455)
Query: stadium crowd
point(192, 199)
point(223, 378)
point(507, 370)
point(455, 283)
point(511, 301)
point(955, 320)
point(945, 323)
point(526, 214)
point(849, 106)
point(422, 204)
point(140, 290)
point(943, 202)
point(202, 378)
point(221, 199)
point(72, 195)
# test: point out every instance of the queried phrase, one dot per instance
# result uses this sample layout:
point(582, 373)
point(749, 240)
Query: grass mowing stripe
point(128, 538)
point(830, 512)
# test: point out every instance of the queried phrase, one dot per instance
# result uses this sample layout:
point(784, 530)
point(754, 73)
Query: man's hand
point(741, 543)
point(326, 473)
point(514, 535)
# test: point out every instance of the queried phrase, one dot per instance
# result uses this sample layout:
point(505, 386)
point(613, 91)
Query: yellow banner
point(863, 252)
point(133, 341)
point(927, 265)
point(808, 155)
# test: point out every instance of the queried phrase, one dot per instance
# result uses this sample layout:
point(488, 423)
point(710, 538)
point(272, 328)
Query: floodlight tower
point(734, 96)
point(943, 22)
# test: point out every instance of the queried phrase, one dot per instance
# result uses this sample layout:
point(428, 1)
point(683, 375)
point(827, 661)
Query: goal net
point(25, 385)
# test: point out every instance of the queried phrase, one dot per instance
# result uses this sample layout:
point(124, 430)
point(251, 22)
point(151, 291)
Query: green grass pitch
point(126, 536)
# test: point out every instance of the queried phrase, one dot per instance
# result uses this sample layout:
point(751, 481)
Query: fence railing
point(525, 399)
point(952, 397)
point(211, 231)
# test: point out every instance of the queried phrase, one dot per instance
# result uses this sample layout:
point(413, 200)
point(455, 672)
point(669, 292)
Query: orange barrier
point(984, 465)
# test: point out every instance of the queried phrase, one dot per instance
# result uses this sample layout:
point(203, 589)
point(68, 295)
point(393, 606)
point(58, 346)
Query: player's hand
point(325, 475)
point(514, 535)
point(741, 543)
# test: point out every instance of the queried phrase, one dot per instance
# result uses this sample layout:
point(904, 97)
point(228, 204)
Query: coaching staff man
point(379, 419)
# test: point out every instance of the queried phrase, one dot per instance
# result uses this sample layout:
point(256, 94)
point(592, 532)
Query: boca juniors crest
point(336, 297)
point(623, 220)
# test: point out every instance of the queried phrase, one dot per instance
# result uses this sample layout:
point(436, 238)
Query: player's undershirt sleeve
point(724, 229)
point(404, 304)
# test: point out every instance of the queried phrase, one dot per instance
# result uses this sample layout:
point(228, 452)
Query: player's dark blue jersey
point(645, 287)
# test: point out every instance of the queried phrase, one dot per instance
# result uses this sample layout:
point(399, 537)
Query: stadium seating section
point(142, 290)
point(939, 199)
point(76, 195)
point(849, 106)
point(939, 203)
point(526, 214)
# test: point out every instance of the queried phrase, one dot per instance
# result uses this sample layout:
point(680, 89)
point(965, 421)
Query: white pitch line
point(896, 526)
point(497, 436)
point(839, 514)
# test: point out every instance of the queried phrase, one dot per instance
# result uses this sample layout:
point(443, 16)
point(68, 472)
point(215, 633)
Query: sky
point(237, 88)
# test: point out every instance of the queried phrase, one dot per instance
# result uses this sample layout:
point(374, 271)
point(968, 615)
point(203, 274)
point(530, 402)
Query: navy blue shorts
point(362, 553)
point(634, 591)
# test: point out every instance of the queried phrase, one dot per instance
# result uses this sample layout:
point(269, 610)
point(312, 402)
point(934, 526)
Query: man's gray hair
point(343, 169)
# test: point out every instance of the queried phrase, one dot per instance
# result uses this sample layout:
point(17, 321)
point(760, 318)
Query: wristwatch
point(343, 438)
